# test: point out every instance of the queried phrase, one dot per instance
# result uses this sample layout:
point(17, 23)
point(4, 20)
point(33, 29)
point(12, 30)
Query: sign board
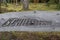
point(30, 21)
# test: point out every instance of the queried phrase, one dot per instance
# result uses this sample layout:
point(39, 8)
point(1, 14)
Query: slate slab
point(46, 21)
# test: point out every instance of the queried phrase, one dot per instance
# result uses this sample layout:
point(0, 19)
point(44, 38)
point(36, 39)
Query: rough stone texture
point(53, 16)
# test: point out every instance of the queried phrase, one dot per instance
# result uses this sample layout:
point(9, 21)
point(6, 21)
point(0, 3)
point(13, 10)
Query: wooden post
point(5, 2)
point(0, 6)
point(16, 2)
point(36, 1)
point(25, 4)
point(59, 1)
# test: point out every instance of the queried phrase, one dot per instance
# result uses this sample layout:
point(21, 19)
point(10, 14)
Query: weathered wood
point(59, 1)
point(16, 2)
point(25, 4)
point(5, 2)
point(0, 6)
point(36, 1)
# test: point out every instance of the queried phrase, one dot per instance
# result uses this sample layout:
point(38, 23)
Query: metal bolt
point(57, 14)
point(34, 11)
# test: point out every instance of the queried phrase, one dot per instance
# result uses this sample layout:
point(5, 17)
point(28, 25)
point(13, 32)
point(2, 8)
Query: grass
point(32, 6)
point(29, 35)
point(42, 6)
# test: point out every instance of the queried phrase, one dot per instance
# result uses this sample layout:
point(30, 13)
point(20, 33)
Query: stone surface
point(47, 21)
